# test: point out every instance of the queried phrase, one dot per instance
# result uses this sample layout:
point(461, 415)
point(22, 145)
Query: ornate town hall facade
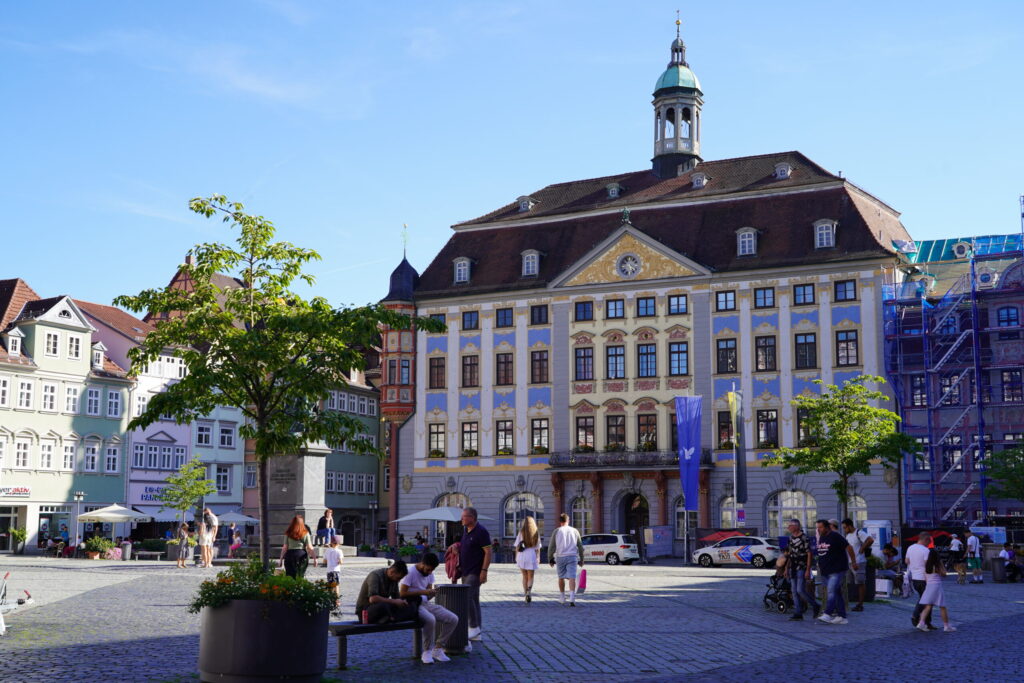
point(577, 312)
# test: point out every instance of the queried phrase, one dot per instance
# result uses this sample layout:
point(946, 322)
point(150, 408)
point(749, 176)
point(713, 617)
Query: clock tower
point(677, 117)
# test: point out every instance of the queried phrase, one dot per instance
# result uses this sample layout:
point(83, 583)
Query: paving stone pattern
point(110, 621)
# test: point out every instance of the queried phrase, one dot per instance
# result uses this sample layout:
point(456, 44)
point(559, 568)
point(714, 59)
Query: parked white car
point(610, 548)
point(755, 551)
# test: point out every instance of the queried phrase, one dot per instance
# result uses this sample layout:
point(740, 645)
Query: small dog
point(961, 572)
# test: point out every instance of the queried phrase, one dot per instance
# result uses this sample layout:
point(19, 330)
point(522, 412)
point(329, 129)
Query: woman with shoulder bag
point(527, 546)
point(297, 548)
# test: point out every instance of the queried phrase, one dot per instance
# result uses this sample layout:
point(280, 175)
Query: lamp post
point(373, 504)
point(79, 496)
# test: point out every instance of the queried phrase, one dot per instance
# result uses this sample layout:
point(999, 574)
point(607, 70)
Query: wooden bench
point(146, 554)
point(343, 629)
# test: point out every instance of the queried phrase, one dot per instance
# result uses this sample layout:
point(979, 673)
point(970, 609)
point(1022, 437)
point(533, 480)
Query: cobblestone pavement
point(126, 621)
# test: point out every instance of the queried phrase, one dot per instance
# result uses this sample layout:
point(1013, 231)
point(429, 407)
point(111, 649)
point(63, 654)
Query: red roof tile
point(118, 320)
point(14, 294)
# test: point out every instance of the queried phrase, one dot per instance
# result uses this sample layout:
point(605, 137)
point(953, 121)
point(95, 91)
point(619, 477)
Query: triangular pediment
point(66, 313)
point(161, 436)
point(628, 255)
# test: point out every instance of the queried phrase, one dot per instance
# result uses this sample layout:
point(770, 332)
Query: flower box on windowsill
point(726, 446)
point(436, 454)
point(768, 445)
point(647, 446)
point(539, 450)
point(615, 447)
point(470, 453)
point(505, 451)
point(583, 449)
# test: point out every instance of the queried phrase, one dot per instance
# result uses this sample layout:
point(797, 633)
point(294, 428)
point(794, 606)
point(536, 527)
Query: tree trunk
point(264, 495)
point(845, 495)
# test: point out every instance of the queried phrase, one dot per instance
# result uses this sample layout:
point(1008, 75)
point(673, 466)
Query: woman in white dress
point(527, 545)
point(203, 539)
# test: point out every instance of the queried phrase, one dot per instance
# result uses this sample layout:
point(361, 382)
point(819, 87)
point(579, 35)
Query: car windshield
point(629, 539)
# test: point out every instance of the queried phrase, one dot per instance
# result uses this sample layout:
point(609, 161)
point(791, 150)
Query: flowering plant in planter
point(249, 581)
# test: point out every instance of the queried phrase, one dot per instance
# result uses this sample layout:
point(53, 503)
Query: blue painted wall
point(503, 337)
point(437, 344)
point(538, 335)
point(437, 401)
point(810, 315)
point(467, 400)
point(770, 318)
point(799, 385)
point(726, 322)
point(841, 313)
point(538, 395)
point(724, 386)
point(503, 396)
point(769, 385)
point(466, 341)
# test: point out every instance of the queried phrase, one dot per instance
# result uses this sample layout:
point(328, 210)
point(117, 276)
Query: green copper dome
point(678, 76)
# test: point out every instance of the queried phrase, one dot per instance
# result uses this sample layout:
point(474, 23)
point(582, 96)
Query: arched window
point(453, 500)
point(670, 124)
point(824, 234)
point(581, 514)
point(530, 261)
point(448, 531)
point(684, 123)
point(786, 505)
point(746, 242)
point(857, 509)
point(726, 514)
point(517, 507)
point(686, 522)
point(1008, 316)
point(461, 270)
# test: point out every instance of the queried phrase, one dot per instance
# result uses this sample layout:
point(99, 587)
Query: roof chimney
point(188, 259)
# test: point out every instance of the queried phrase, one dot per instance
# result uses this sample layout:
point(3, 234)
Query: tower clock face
point(628, 266)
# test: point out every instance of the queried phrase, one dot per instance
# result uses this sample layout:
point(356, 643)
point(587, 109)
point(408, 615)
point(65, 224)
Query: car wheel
point(611, 558)
point(705, 561)
point(758, 561)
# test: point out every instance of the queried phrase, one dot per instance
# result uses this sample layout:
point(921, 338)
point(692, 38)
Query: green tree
point(186, 488)
point(1006, 470)
point(846, 433)
point(260, 347)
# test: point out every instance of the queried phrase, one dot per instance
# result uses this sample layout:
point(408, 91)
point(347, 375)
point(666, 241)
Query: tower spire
point(678, 46)
point(405, 238)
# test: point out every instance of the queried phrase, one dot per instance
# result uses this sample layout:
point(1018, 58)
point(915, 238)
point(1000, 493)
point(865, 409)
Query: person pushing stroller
point(796, 566)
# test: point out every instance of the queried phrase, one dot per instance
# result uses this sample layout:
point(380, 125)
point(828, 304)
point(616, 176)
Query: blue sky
point(342, 121)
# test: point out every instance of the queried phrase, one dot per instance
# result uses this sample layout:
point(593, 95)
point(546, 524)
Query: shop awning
point(165, 515)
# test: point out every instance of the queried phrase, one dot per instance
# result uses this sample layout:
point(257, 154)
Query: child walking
point(332, 560)
point(933, 595)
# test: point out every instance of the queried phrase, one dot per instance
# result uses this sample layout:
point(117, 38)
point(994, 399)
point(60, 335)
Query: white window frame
point(5, 391)
point(49, 397)
point(360, 482)
point(22, 453)
point(90, 458)
point(71, 396)
point(113, 403)
point(462, 270)
point(92, 401)
point(222, 472)
point(138, 456)
point(350, 482)
point(371, 407)
point(70, 455)
point(97, 359)
point(180, 455)
point(250, 476)
point(141, 400)
point(328, 481)
point(362, 405)
point(152, 457)
point(746, 242)
point(387, 478)
point(353, 403)
point(824, 234)
point(229, 432)
point(46, 450)
point(52, 350)
point(14, 345)
point(112, 460)
point(74, 347)
point(371, 484)
point(166, 458)
point(204, 435)
point(531, 263)
point(25, 390)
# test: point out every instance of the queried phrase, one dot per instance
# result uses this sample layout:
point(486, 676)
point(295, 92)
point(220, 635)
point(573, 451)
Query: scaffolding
point(954, 356)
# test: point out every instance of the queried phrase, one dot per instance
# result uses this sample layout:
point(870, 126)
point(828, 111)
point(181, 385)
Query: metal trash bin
point(998, 570)
point(454, 597)
point(126, 550)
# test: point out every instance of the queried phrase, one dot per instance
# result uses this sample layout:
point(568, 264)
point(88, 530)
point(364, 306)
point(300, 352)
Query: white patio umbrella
point(237, 518)
point(113, 514)
point(441, 514)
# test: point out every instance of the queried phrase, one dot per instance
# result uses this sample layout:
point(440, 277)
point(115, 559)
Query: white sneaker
point(469, 647)
point(840, 620)
point(921, 626)
point(427, 658)
point(825, 618)
point(948, 628)
point(475, 634)
point(439, 655)
point(562, 600)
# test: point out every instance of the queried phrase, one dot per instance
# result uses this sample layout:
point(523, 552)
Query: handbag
point(582, 584)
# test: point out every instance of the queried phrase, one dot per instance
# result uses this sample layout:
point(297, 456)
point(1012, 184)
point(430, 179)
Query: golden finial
point(678, 23)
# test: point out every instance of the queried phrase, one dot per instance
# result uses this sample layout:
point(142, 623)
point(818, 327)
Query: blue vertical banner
point(688, 428)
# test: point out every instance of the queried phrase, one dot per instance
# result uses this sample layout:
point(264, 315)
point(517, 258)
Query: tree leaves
point(1006, 470)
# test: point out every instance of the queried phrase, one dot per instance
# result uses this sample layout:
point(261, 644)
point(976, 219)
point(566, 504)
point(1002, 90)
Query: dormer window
point(97, 359)
point(531, 262)
point(746, 242)
point(525, 204)
point(700, 179)
point(783, 171)
point(461, 270)
point(824, 234)
point(14, 345)
point(614, 190)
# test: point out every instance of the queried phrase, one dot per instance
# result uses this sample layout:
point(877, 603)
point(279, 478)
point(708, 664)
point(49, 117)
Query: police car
point(750, 550)
point(610, 548)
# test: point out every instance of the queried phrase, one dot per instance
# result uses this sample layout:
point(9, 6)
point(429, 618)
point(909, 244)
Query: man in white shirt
point(566, 550)
point(332, 560)
point(956, 552)
point(917, 557)
point(861, 542)
point(438, 623)
point(1008, 555)
point(974, 556)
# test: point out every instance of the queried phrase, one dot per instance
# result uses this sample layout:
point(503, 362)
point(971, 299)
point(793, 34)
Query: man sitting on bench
point(436, 620)
point(379, 598)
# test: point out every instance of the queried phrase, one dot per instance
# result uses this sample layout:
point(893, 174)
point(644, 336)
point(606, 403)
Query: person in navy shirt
point(474, 559)
point(835, 558)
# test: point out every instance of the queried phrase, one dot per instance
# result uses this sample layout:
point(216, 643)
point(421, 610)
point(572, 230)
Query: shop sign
point(151, 493)
point(15, 491)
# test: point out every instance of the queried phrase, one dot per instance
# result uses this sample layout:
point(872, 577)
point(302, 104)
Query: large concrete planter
point(257, 640)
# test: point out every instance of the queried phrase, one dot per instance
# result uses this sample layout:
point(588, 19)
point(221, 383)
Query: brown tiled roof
point(124, 323)
point(14, 294)
point(111, 370)
point(726, 176)
point(38, 307)
point(702, 231)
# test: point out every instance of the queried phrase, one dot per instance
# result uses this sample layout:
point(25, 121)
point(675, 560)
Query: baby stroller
point(779, 596)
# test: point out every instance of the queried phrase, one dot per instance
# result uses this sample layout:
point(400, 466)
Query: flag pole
point(736, 426)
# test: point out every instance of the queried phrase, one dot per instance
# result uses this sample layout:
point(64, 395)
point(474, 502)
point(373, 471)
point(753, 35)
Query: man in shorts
point(861, 543)
point(332, 560)
point(974, 556)
point(566, 551)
